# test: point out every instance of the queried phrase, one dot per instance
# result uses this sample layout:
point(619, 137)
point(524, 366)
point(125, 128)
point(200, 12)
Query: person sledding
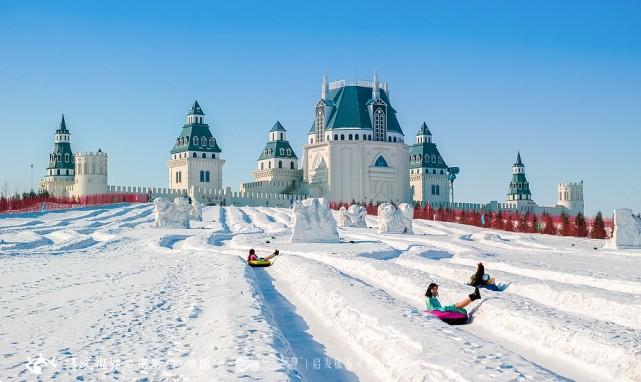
point(432, 302)
point(483, 280)
point(255, 261)
point(454, 314)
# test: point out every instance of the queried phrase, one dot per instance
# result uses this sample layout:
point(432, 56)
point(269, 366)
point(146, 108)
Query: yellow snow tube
point(259, 263)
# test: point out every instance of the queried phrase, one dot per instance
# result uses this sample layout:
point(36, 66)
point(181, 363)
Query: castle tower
point(60, 171)
point(91, 174)
point(571, 197)
point(428, 170)
point(519, 195)
point(196, 157)
point(355, 148)
point(277, 166)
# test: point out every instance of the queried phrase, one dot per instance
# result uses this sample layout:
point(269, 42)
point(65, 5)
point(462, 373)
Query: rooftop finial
point(375, 93)
point(324, 87)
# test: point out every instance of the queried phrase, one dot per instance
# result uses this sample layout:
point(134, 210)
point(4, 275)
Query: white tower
point(196, 157)
point(91, 174)
point(571, 197)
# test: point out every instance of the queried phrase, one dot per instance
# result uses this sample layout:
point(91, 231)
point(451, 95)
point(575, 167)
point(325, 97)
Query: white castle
point(355, 151)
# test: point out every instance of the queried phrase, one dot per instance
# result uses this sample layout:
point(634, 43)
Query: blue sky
point(559, 81)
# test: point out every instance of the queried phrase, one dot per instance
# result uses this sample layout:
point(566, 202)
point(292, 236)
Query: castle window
point(262, 166)
point(211, 141)
point(342, 137)
point(335, 137)
point(441, 172)
point(419, 158)
point(58, 172)
point(394, 139)
point(356, 137)
point(433, 171)
point(369, 137)
point(213, 156)
point(389, 139)
point(281, 136)
point(289, 152)
point(311, 140)
point(84, 170)
point(440, 160)
point(67, 172)
point(320, 123)
point(433, 158)
point(203, 141)
point(207, 176)
point(194, 155)
point(280, 164)
point(291, 165)
point(380, 162)
point(59, 158)
point(282, 151)
point(177, 141)
point(380, 130)
point(269, 164)
point(350, 137)
point(520, 185)
point(204, 155)
point(202, 176)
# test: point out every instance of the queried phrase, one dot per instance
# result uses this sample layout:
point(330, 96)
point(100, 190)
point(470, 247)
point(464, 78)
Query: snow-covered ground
point(99, 294)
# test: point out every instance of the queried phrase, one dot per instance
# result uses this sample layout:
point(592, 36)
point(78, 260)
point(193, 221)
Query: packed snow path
point(97, 293)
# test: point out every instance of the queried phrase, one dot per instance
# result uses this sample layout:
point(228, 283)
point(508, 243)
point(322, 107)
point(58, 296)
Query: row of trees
point(513, 221)
point(32, 202)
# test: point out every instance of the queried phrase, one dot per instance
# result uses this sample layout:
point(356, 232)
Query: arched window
point(335, 137)
point(195, 140)
point(350, 137)
point(177, 141)
point(280, 164)
point(213, 156)
point(311, 140)
point(59, 158)
point(67, 172)
point(58, 172)
point(342, 137)
point(379, 125)
point(291, 165)
point(207, 176)
point(433, 171)
point(389, 139)
point(262, 166)
point(211, 141)
point(289, 152)
point(282, 151)
point(84, 169)
point(194, 155)
point(269, 164)
point(281, 136)
point(203, 141)
point(380, 162)
point(369, 137)
point(202, 176)
point(442, 172)
point(419, 158)
point(356, 137)
point(204, 155)
point(67, 158)
point(394, 139)
point(319, 124)
point(440, 159)
point(433, 158)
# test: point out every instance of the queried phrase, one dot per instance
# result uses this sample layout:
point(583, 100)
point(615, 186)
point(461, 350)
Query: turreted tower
point(196, 157)
point(519, 195)
point(571, 197)
point(60, 171)
point(428, 170)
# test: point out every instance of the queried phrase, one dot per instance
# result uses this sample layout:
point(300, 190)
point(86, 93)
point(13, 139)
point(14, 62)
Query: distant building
point(519, 195)
point(196, 157)
point(428, 170)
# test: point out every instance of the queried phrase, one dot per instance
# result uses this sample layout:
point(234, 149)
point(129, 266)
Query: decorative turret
point(196, 157)
point(61, 162)
point(277, 133)
point(519, 193)
point(428, 170)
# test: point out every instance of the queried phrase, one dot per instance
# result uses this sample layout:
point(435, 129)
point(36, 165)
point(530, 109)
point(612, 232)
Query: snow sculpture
point(169, 214)
point(395, 220)
point(353, 217)
point(627, 230)
point(312, 222)
point(196, 211)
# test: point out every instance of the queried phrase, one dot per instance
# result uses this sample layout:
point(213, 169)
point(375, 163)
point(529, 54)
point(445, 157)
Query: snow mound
point(174, 214)
point(627, 230)
point(312, 222)
point(395, 220)
point(353, 217)
point(196, 212)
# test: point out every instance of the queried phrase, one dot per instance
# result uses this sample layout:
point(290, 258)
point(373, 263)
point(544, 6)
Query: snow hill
point(99, 294)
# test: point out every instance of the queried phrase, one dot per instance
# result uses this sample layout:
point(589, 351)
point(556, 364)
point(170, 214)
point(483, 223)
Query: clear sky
point(559, 80)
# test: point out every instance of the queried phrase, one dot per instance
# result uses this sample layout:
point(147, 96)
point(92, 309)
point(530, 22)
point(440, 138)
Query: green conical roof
point(424, 130)
point(63, 126)
point(519, 162)
point(196, 109)
point(277, 127)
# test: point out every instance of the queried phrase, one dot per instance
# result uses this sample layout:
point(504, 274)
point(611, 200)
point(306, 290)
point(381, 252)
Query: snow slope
point(101, 295)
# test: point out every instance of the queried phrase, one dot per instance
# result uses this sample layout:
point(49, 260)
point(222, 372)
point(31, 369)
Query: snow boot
point(476, 295)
